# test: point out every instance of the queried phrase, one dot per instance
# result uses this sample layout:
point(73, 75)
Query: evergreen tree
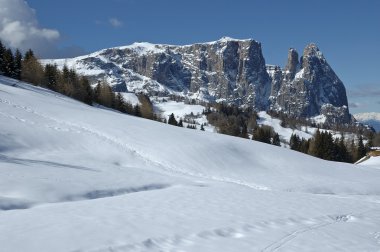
point(50, 77)
point(244, 132)
point(344, 155)
point(9, 63)
point(120, 103)
point(172, 120)
point(295, 142)
point(276, 140)
point(180, 123)
point(361, 151)
point(86, 94)
point(202, 128)
point(315, 148)
point(353, 151)
point(262, 134)
point(17, 65)
point(137, 111)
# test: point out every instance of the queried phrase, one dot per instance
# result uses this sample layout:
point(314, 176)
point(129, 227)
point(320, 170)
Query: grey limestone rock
point(228, 70)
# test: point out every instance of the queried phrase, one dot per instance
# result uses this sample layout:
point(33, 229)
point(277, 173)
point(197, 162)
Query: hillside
point(79, 178)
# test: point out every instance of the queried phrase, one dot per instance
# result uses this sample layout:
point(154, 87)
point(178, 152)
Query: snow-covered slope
point(371, 118)
point(79, 178)
point(372, 162)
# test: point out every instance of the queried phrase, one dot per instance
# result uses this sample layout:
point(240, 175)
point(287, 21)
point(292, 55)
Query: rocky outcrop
point(227, 70)
point(310, 88)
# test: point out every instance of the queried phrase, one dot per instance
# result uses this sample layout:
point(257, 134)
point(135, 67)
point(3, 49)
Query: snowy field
point(79, 178)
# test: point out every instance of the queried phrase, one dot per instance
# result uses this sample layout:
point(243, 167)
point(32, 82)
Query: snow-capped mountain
point(228, 70)
point(371, 118)
point(80, 178)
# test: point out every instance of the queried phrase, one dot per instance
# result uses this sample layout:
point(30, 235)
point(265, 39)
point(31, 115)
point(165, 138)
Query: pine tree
point(361, 151)
point(172, 120)
point(262, 134)
point(180, 123)
point(353, 151)
point(136, 110)
point(17, 65)
point(244, 132)
point(202, 128)
point(50, 77)
point(86, 91)
point(295, 142)
point(120, 103)
point(316, 148)
point(9, 63)
point(276, 140)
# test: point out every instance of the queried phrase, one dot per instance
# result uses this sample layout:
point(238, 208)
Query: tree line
point(324, 145)
point(68, 82)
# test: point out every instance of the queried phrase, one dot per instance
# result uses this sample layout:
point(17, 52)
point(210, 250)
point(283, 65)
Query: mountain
point(372, 119)
point(309, 87)
point(228, 70)
point(80, 178)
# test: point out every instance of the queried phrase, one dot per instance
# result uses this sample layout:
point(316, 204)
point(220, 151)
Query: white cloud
point(115, 22)
point(19, 28)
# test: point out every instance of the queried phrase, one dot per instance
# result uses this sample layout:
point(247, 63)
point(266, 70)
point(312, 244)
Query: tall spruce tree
point(172, 120)
point(17, 65)
point(51, 77)
point(9, 63)
point(276, 140)
point(361, 151)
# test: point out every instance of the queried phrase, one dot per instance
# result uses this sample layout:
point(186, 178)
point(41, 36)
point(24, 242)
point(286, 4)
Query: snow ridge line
point(163, 165)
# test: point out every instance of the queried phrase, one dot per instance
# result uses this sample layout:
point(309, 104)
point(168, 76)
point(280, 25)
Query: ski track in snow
point(296, 228)
point(66, 126)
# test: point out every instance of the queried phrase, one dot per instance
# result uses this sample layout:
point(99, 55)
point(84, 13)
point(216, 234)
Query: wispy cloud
point(114, 22)
point(364, 91)
point(354, 105)
point(19, 28)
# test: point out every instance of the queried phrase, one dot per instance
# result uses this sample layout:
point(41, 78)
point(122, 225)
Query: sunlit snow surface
point(79, 178)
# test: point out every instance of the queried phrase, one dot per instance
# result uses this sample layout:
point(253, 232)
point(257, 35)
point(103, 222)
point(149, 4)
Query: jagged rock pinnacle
point(293, 62)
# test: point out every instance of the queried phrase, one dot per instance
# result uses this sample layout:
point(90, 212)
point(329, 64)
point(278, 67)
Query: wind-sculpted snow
point(80, 178)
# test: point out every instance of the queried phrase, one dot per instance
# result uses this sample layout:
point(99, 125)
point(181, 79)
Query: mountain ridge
point(227, 70)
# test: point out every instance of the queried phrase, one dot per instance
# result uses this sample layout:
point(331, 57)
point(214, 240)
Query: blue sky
point(347, 32)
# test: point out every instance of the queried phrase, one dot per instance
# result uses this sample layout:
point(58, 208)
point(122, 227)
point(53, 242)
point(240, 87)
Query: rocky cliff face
point(310, 87)
point(227, 70)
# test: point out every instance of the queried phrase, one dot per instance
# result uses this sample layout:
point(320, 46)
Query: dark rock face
point(313, 89)
point(228, 70)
